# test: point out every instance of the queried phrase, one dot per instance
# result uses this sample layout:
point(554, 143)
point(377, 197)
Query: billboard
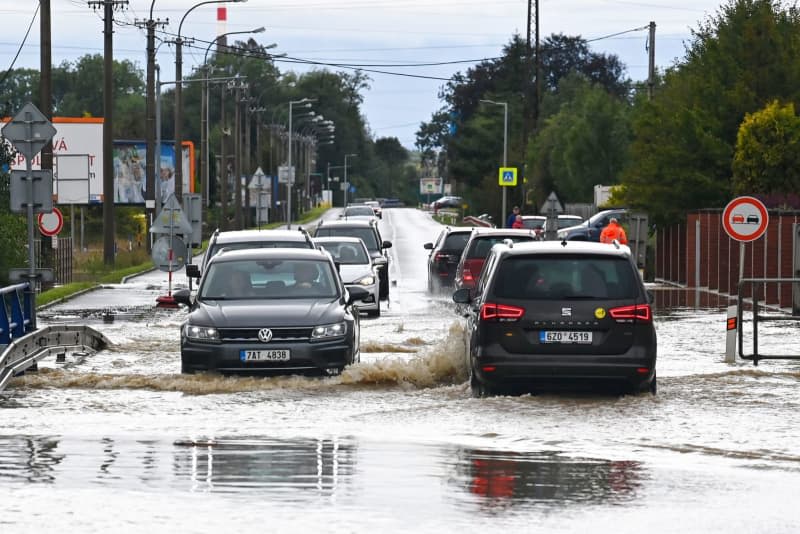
point(130, 157)
point(431, 186)
point(78, 164)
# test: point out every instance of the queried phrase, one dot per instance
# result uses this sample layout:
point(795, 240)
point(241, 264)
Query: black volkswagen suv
point(270, 310)
point(559, 313)
point(368, 231)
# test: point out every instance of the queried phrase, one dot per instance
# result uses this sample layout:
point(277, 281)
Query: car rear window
point(367, 235)
point(481, 246)
point(559, 277)
point(456, 242)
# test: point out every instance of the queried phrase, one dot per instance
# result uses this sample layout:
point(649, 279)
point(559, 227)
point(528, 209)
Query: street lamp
point(305, 103)
point(178, 96)
point(505, 143)
point(204, 113)
point(346, 185)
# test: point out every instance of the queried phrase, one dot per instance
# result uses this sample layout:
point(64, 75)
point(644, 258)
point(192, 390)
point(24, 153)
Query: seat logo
point(599, 313)
point(265, 335)
point(566, 312)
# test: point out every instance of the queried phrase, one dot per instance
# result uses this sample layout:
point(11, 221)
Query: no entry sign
point(50, 224)
point(745, 219)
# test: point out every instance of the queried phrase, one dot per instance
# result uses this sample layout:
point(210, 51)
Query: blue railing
point(17, 313)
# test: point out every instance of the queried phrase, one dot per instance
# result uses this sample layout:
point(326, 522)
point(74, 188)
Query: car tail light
point(638, 312)
point(494, 312)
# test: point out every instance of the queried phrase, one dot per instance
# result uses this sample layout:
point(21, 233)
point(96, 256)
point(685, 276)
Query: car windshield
point(567, 222)
point(533, 223)
point(481, 246)
point(559, 277)
point(347, 252)
point(367, 235)
point(269, 279)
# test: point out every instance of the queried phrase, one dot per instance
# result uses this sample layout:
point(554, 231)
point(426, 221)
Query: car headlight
point(366, 281)
point(329, 330)
point(200, 333)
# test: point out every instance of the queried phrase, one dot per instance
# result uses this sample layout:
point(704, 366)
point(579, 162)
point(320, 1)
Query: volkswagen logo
point(265, 335)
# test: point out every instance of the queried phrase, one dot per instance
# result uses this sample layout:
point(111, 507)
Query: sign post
point(169, 253)
point(29, 131)
point(744, 219)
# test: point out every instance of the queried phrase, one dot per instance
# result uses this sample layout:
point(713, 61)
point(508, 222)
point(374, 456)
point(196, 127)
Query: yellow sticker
point(600, 313)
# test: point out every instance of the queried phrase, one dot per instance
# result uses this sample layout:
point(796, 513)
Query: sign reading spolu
point(507, 176)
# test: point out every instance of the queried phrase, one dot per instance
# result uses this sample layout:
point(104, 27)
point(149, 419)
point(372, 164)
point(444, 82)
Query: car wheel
point(186, 370)
point(479, 389)
point(654, 385)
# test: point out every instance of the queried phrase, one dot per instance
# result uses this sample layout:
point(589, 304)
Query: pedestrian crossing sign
point(508, 176)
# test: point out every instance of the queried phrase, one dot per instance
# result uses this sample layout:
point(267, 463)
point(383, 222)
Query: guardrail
point(24, 352)
point(757, 284)
point(17, 314)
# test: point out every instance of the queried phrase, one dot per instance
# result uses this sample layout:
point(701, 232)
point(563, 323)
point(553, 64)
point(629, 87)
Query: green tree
point(682, 152)
point(767, 158)
point(13, 236)
point(584, 143)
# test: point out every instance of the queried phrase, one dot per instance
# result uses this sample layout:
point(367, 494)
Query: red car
point(477, 249)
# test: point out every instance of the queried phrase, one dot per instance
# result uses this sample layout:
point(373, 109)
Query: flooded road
point(120, 440)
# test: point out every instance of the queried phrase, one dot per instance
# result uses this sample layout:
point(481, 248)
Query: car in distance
point(591, 228)
point(353, 211)
point(444, 255)
point(249, 239)
point(480, 243)
point(355, 269)
point(447, 202)
point(376, 207)
point(559, 313)
point(367, 231)
point(270, 310)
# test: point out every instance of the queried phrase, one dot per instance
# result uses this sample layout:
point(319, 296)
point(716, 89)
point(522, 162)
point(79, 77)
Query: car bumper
point(323, 356)
point(633, 369)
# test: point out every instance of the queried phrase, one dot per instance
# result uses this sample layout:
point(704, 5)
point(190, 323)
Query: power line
point(22, 44)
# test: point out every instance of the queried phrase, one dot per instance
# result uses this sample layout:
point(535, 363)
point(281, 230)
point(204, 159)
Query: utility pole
point(109, 232)
point(223, 166)
point(651, 68)
point(248, 165)
point(152, 160)
point(46, 106)
point(237, 155)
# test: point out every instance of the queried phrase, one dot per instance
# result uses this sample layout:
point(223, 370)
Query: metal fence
point(61, 261)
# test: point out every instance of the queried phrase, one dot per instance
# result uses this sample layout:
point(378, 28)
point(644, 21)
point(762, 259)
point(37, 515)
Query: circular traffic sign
point(745, 219)
point(169, 256)
point(50, 224)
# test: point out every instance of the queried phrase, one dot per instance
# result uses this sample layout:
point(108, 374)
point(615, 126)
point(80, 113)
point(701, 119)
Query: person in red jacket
point(613, 231)
point(518, 222)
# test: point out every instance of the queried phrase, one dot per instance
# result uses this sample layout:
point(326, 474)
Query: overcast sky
point(388, 33)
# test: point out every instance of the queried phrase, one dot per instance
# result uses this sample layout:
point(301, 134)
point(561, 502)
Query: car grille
point(278, 334)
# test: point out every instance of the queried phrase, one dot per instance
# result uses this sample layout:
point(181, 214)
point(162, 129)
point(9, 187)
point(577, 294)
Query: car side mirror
point(356, 293)
point(428, 246)
point(183, 296)
point(386, 244)
point(462, 296)
point(192, 270)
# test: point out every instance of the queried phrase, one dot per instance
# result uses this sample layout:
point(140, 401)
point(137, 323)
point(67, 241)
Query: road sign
point(745, 219)
point(258, 181)
point(171, 219)
point(507, 176)
point(169, 255)
point(29, 131)
point(551, 203)
point(284, 176)
point(24, 274)
point(50, 224)
point(42, 191)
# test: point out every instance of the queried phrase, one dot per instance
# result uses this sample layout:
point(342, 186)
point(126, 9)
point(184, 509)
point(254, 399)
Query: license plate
point(280, 355)
point(583, 338)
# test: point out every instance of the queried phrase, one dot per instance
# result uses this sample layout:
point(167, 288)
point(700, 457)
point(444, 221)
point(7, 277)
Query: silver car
point(355, 269)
